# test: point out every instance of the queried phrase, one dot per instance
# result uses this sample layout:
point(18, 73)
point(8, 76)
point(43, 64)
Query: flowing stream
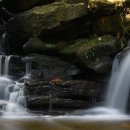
point(13, 102)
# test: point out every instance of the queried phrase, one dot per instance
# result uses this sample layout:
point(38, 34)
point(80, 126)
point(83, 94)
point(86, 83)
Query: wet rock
point(108, 24)
point(22, 5)
point(37, 102)
point(68, 103)
point(42, 103)
point(102, 65)
point(76, 89)
point(73, 89)
point(51, 68)
point(92, 53)
point(16, 67)
point(65, 94)
point(36, 45)
point(3, 106)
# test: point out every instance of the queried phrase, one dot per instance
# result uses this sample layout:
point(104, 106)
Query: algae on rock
point(87, 51)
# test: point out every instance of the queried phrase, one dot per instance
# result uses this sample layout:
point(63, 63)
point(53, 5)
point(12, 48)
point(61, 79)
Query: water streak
point(1, 57)
point(6, 65)
point(28, 68)
point(119, 83)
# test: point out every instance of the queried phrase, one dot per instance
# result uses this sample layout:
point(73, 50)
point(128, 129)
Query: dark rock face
point(16, 67)
point(64, 94)
point(22, 5)
point(109, 24)
point(48, 68)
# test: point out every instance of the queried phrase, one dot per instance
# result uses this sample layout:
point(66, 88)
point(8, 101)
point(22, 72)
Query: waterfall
point(4, 47)
point(118, 87)
point(28, 69)
point(1, 64)
point(119, 84)
point(11, 92)
point(6, 65)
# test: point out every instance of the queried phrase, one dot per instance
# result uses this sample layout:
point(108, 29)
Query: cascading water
point(28, 62)
point(11, 92)
point(4, 43)
point(118, 87)
point(6, 65)
point(119, 83)
point(1, 64)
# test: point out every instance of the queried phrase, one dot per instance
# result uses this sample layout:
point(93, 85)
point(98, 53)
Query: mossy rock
point(39, 20)
point(101, 65)
point(57, 21)
point(91, 44)
point(36, 45)
point(88, 52)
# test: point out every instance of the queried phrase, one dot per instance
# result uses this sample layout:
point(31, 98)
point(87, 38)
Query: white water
point(6, 65)
point(28, 69)
point(1, 64)
point(12, 97)
point(119, 84)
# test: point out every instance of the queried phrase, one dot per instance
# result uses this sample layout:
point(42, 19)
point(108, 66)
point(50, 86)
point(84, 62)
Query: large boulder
point(40, 19)
point(49, 22)
point(48, 68)
point(93, 53)
point(22, 5)
point(36, 45)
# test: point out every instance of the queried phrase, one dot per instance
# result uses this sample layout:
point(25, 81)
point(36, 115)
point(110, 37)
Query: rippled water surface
point(64, 123)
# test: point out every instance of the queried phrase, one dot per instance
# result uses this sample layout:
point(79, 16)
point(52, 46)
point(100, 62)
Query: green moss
point(36, 45)
point(90, 52)
point(89, 45)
